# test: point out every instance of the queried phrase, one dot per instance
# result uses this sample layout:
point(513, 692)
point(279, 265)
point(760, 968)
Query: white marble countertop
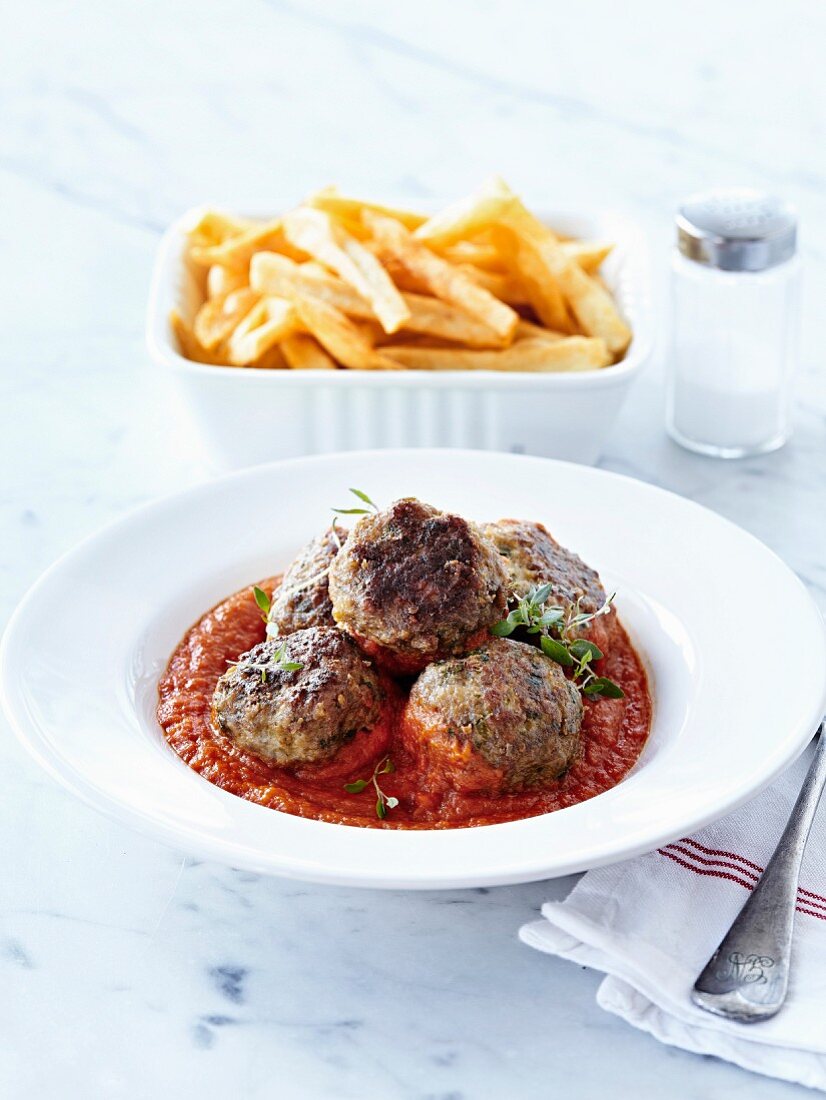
point(127, 969)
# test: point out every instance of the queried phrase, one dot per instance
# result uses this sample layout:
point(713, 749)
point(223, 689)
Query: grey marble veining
point(126, 969)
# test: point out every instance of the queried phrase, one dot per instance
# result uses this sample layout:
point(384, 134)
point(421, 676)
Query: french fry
point(189, 345)
point(218, 317)
point(571, 353)
point(303, 352)
point(590, 304)
point(527, 330)
point(266, 324)
point(212, 227)
point(482, 254)
point(337, 334)
point(537, 284)
point(468, 216)
point(274, 274)
point(236, 251)
point(314, 232)
point(271, 359)
point(441, 278)
point(506, 286)
point(348, 209)
point(223, 280)
point(588, 254)
point(341, 282)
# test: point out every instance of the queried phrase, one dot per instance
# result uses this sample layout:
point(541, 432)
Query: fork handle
point(748, 975)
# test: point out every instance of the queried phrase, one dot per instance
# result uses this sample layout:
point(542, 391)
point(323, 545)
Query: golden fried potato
point(274, 274)
point(270, 321)
point(439, 276)
point(344, 282)
point(592, 307)
point(218, 317)
point(302, 352)
point(468, 216)
point(350, 210)
point(570, 353)
point(588, 254)
point(189, 345)
point(314, 232)
point(338, 335)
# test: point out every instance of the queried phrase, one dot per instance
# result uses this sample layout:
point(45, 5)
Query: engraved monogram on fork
point(744, 969)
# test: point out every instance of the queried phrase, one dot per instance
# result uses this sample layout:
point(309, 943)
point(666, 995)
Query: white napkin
point(651, 924)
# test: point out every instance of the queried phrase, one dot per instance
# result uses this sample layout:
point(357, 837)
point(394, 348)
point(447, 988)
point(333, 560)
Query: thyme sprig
point(365, 499)
point(557, 628)
point(264, 605)
point(279, 658)
point(383, 802)
point(334, 533)
point(278, 661)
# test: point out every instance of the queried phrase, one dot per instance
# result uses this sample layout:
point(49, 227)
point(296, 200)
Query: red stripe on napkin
point(734, 868)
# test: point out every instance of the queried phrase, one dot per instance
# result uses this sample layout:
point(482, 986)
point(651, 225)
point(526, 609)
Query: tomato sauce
point(613, 734)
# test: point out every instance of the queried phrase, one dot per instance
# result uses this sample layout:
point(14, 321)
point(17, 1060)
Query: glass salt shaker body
point(735, 319)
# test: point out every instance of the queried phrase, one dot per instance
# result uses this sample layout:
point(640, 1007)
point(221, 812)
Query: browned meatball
point(303, 597)
point(534, 557)
point(502, 718)
point(413, 584)
point(303, 715)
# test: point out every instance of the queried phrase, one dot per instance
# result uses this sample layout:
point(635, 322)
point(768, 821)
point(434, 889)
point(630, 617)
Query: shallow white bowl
point(251, 416)
point(734, 646)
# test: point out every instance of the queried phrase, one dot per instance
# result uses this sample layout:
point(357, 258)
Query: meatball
point(303, 597)
point(500, 719)
point(534, 557)
point(413, 584)
point(299, 715)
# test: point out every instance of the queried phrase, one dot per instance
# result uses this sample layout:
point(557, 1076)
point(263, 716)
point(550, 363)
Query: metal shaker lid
point(736, 229)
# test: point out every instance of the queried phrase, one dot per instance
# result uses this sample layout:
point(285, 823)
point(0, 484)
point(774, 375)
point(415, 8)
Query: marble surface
point(127, 969)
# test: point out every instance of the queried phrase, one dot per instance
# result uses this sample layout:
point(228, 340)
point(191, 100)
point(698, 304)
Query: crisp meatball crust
point(303, 598)
point(502, 718)
point(534, 557)
point(301, 716)
point(412, 584)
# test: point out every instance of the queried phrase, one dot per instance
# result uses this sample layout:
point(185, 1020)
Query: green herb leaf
point(604, 687)
point(358, 511)
point(383, 803)
point(556, 651)
point(291, 666)
point(363, 496)
point(263, 601)
point(503, 629)
point(539, 595)
point(582, 647)
point(551, 617)
point(580, 619)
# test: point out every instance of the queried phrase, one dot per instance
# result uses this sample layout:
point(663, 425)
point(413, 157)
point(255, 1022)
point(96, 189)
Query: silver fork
point(748, 975)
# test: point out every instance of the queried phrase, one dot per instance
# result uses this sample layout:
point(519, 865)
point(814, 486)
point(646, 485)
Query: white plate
point(734, 646)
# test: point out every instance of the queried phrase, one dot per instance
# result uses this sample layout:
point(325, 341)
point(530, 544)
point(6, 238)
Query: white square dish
point(247, 416)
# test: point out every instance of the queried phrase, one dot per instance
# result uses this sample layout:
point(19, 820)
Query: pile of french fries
point(341, 283)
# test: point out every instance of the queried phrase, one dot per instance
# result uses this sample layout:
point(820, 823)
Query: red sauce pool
point(613, 734)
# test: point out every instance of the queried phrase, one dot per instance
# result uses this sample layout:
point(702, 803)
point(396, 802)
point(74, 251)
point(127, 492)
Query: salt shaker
point(735, 317)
